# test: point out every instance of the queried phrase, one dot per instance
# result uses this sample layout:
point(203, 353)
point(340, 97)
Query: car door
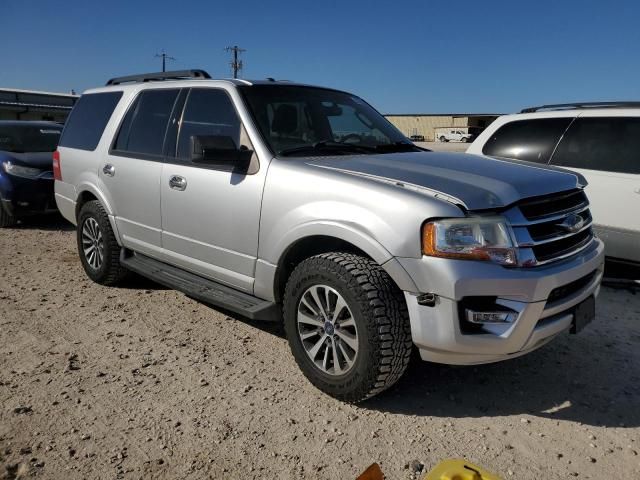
point(606, 150)
point(132, 168)
point(211, 214)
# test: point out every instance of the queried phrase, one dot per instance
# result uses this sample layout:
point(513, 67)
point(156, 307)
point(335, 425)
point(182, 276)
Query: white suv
point(601, 141)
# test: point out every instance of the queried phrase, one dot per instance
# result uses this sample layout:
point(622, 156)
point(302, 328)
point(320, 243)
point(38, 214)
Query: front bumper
point(437, 332)
point(27, 196)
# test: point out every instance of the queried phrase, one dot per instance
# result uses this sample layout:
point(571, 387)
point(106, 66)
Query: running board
point(200, 288)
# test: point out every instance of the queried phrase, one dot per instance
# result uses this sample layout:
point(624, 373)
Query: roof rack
point(150, 77)
point(578, 105)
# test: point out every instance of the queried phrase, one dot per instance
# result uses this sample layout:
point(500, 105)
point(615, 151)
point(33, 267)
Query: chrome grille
point(551, 228)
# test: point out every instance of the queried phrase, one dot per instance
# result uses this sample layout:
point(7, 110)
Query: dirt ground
point(143, 382)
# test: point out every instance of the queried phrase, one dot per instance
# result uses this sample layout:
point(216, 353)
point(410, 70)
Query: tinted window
point(531, 140)
point(610, 144)
point(88, 119)
point(29, 138)
point(143, 128)
point(207, 112)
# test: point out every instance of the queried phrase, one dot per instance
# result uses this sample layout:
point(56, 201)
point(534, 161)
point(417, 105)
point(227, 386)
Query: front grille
point(552, 227)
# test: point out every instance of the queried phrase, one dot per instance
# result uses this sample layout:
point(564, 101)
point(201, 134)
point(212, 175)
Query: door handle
point(109, 170)
point(177, 182)
point(637, 190)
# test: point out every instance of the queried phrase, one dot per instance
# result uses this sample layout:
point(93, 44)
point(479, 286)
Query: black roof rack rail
point(578, 105)
point(150, 77)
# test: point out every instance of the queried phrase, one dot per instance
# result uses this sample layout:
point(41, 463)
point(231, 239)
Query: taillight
point(57, 173)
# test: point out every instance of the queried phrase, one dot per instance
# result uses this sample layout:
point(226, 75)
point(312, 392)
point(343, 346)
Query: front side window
point(207, 112)
point(531, 140)
point(144, 126)
point(29, 138)
point(303, 121)
point(595, 143)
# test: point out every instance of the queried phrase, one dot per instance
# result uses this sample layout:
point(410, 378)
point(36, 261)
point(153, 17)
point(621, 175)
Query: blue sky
point(403, 57)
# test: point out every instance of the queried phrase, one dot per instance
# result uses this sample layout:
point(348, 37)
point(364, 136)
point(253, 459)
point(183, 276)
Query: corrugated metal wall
point(425, 124)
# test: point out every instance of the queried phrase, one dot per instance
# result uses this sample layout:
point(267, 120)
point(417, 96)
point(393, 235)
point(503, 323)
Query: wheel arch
point(316, 244)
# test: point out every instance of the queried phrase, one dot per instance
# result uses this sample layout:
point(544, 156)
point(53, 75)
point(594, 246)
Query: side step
point(200, 288)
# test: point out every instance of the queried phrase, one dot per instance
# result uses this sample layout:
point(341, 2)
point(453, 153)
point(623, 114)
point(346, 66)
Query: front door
point(211, 214)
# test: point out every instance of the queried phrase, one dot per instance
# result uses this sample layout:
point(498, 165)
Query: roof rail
point(150, 77)
point(578, 105)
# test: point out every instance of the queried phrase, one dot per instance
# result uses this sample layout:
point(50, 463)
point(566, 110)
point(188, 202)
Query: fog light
point(490, 317)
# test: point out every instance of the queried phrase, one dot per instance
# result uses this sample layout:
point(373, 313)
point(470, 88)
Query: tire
point(95, 234)
point(464, 140)
point(373, 304)
point(6, 220)
point(443, 139)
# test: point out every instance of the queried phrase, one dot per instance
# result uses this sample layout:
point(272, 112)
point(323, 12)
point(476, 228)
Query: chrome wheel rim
point(92, 243)
point(327, 330)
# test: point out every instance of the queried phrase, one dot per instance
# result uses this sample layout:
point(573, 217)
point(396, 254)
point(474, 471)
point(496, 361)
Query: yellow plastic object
point(458, 469)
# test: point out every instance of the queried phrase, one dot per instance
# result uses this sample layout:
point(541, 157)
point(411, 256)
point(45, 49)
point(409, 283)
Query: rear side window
point(531, 140)
point(88, 119)
point(609, 144)
point(144, 126)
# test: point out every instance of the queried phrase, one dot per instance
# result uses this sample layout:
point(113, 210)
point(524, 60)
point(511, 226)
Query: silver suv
point(287, 202)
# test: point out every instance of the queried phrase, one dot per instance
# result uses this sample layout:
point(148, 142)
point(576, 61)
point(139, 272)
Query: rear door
point(131, 170)
point(210, 217)
point(606, 150)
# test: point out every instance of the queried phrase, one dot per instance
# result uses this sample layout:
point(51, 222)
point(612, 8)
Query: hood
point(474, 181)
point(41, 160)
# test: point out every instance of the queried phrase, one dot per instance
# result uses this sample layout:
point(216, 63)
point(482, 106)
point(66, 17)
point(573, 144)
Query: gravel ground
point(143, 382)
point(445, 146)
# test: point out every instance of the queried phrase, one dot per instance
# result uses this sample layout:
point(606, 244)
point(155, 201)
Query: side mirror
point(219, 150)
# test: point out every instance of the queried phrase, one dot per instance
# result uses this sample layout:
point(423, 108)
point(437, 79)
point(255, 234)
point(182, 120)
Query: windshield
point(29, 138)
point(303, 121)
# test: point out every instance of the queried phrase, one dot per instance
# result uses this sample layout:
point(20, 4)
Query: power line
point(164, 57)
point(236, 65)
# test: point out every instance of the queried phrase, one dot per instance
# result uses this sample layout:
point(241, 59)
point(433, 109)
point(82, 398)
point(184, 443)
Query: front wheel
point(6, 219)
point(443, 139)
point(347, 325)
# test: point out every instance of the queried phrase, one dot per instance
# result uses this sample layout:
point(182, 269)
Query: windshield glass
point(303, 121)
point(23, 138)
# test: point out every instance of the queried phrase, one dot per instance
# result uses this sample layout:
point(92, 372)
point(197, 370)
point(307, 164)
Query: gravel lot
point(143, 382)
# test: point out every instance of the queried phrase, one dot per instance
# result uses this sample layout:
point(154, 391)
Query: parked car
point(454, 135)
point(363, 248)
point(26, 176)
point(417, 138)
point(600, 141)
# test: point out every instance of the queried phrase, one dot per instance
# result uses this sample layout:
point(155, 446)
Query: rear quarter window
point(610, 144)
point(531, 140)
point(88, 120)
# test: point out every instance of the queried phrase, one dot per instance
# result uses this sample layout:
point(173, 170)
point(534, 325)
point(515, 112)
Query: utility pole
point(236, 65)
point(164, 57)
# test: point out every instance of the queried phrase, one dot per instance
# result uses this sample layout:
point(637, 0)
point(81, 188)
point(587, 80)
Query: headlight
point(474, 238)
point(21, 171)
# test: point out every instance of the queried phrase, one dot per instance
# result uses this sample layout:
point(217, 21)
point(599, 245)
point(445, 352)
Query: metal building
point(427, 124)
point(33, 105)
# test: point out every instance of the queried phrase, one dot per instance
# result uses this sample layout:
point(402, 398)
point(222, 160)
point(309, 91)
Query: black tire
point(443, 139)
point(110, 271)
point(380, 313)
point(464, 140)
point(6, 220)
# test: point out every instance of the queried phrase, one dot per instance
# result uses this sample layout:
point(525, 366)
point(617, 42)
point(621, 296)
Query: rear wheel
point(97, 245)
point(443, 139)
point(6, 220)
point(347, 325)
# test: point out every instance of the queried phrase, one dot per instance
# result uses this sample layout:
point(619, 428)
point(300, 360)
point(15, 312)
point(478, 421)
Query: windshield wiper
point(327, 147)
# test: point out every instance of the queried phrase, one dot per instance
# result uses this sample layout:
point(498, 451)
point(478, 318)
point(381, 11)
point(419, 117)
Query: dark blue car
point(26, 168)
